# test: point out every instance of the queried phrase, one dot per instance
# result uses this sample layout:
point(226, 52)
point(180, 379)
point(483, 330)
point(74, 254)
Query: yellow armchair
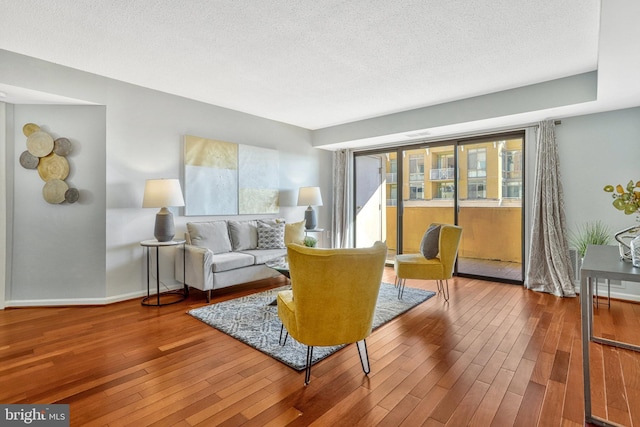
point(333, 297)
point(440, 268)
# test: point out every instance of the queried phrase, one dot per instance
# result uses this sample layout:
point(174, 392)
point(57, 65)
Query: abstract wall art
point(225, 178)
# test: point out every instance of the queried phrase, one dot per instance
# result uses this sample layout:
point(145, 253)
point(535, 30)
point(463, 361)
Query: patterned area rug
point(253, 320)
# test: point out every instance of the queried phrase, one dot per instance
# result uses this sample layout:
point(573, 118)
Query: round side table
point(180, 293)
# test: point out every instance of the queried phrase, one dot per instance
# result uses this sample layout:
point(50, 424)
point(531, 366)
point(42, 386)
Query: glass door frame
point(456, 143)
point(489, 138)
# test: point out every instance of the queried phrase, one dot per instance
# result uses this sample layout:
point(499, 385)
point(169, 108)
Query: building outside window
point(416, 177)
point(477, 172)
point(477, 189)
point(392, 200)
point(445, 190)
point(477, 163)
point(512, 174)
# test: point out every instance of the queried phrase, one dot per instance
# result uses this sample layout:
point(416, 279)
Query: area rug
point(254, 320)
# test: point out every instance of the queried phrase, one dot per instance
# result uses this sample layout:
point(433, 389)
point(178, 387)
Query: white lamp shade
point(161, 193)
point(309, 196)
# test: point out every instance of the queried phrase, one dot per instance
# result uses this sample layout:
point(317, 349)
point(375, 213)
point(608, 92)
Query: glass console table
point(599, 262)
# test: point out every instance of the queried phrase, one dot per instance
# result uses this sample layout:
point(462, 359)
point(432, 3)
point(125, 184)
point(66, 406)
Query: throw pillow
point(271, 236)
point(294, 233)
point(429, 247)
point(244, 235)
point(212, 235)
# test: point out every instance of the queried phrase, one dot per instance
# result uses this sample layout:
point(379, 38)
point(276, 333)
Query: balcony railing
point(416, 177)
point(392, 202)
point(441, 174)
point(514, 175)
point(392, 177)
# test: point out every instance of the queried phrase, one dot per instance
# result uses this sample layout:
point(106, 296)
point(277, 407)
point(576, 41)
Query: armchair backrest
point(335, 292)
point(449, 242)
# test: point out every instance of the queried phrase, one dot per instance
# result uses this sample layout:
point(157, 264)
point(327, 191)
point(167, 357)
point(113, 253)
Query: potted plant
point(627, 200)
point(310, 241)
point(591, 233)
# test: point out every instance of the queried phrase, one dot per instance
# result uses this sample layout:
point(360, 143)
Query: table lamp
point(310, 196)
point(163, 193)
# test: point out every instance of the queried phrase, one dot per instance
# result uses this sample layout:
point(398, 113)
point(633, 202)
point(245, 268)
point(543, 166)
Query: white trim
point(84, 301)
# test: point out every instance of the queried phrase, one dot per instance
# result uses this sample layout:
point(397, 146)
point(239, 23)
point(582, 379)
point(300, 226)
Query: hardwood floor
point(496, 354)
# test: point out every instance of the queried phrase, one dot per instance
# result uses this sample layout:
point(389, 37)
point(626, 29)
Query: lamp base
point(310, 219)
point(164, 229)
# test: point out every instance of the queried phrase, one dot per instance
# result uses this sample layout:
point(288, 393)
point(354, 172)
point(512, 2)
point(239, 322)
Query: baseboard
point(615, 294)
point(80, 301)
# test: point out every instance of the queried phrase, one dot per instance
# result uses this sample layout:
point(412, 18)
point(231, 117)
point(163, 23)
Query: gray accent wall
point(59, 251)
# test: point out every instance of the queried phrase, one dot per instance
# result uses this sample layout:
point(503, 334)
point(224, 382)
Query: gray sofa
point(225, 252)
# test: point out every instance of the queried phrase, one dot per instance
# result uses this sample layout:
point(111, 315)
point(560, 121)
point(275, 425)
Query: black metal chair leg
point(364, 356)
point(286, 335)
point(445, 290)
point(307, 374)
point(401, 283)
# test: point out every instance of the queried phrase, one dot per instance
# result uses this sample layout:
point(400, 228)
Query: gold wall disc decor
point(49, 158)
point(30, 128)
point(28, 160)
point(54, 191)
point(53, 167)
point(62, 147)
point(40, 143)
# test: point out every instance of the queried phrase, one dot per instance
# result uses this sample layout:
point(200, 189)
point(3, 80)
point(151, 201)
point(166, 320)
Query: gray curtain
point(549, 267)
point(341, 199)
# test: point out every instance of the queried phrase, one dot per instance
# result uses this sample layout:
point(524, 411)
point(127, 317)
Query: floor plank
point(495, 354)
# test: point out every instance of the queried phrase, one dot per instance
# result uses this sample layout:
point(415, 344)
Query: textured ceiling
point(312, 63)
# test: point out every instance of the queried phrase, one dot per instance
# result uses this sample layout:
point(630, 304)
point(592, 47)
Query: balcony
point(444, 174)
point(392, 178)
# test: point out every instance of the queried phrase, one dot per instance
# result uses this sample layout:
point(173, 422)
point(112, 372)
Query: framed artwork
point(224, 178)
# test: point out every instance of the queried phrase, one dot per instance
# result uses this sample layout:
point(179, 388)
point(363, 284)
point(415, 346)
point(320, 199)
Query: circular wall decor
point(62, 147)
point(54, 191)
point(71, 195)
point(53, 167)
point(40, 143)
point(49, 158)
point(30, 128)
point(28, 160)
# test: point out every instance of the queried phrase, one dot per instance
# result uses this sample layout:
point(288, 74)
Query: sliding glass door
point(477, 184)
point(376, 200)
point(490, 194)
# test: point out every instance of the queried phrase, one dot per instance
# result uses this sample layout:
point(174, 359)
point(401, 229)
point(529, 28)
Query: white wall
point(143, 139)
point(596, 150)
point(143, 132)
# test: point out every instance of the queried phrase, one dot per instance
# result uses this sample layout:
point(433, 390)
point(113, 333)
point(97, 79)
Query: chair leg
point(208, 296)
point(401, 283)
point(307, 374)
point(445, 289)
point(364, 356)
point(286, 335)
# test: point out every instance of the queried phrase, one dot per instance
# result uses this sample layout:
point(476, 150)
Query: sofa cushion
point(212, 235)
point(244, 234)
point(294, 232)
point(270, 236)
point(263, 255)
point(230, 261)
